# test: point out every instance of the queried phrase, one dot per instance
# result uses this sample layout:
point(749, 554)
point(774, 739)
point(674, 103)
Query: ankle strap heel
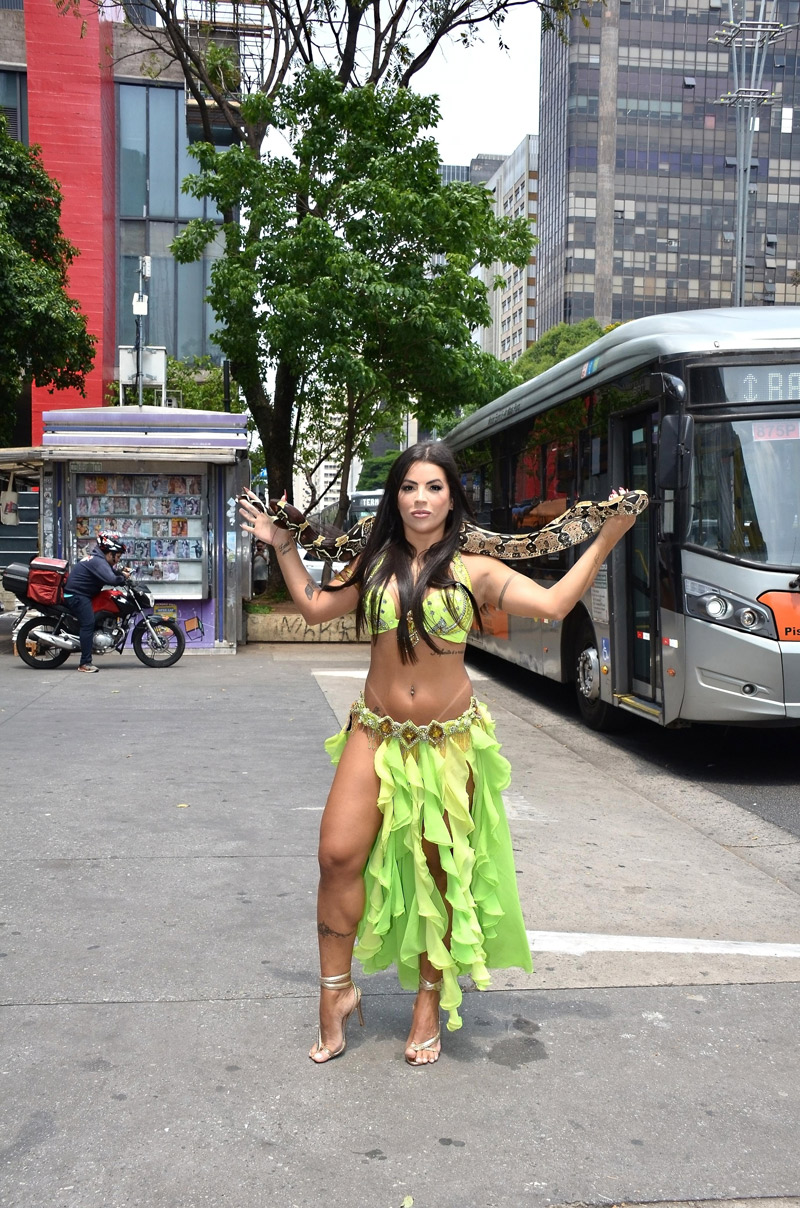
point(432, 1046)
point(340, 982)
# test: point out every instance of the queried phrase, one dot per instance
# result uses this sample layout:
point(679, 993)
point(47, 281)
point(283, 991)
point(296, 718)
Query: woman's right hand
point(257, 522)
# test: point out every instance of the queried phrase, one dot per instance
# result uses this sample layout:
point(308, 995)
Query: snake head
point(286, 515)
point(283, 513)
point(633, 502)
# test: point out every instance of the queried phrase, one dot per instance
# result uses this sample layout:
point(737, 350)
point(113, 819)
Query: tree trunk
point(347, 458)
point(278, 456)
point(274, 423)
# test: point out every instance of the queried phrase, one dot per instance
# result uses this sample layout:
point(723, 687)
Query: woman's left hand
point(617, 526)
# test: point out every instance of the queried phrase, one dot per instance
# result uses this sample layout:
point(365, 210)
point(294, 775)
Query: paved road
point(756, 769)
point(159, 997)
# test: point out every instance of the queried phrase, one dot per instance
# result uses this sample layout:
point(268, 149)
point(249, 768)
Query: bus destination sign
point(777, 429)
point(761, 383)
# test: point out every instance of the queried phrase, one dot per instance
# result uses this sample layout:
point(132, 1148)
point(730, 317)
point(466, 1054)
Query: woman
point(415, 856)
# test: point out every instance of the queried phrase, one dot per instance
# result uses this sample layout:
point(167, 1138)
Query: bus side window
point(593, 468)
point(527, 486)
point(479, 492)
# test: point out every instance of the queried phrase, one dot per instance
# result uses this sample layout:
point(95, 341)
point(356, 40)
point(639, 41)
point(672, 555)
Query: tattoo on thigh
point(328, 933)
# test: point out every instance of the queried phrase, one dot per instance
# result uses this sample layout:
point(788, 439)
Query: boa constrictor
point(577, 524)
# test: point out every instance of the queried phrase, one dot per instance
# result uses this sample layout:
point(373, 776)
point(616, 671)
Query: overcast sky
point(489, 98)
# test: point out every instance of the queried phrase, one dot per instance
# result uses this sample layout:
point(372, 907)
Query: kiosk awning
point(157, 433)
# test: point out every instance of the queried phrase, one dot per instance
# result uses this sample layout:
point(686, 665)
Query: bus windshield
point(362, 505)
point(745, 491)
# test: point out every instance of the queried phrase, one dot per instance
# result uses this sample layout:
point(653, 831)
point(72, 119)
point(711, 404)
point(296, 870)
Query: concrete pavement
point(159, 982)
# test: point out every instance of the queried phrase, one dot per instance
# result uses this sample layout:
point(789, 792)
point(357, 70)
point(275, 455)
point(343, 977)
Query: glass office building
point(153, 159)
point(117, 142)
point(637, 166)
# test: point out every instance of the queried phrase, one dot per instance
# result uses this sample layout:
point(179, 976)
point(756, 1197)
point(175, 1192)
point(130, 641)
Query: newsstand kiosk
point(166, 479)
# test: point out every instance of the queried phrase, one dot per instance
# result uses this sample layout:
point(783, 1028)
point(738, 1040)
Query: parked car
point(315, 567)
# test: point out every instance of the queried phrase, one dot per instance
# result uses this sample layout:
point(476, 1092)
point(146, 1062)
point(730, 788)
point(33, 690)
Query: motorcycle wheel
point(165, 652)
point(36, 654)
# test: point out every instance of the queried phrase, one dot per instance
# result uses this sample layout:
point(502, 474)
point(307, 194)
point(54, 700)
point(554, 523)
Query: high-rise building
point(453, 172)
point(638, 165)
point(116, 140)
point(478, 171)
point(483, 166)
point(514, 185)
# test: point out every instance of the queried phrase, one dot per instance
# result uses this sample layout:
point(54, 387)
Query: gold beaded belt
point(406, 732)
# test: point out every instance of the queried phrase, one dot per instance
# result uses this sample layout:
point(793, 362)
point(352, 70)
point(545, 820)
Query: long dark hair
point(387, 555)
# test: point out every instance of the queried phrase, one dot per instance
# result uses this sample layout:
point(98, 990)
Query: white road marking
point(578, 943)
point(362, 674)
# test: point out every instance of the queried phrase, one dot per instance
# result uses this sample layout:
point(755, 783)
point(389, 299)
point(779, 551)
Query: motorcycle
point(50, 636)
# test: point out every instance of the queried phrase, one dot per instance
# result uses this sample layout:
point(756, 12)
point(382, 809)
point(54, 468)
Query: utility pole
point(140, 311)
point(226, 385)
point(748, 42)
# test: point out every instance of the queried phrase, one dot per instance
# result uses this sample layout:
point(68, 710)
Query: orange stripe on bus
point(785, 607)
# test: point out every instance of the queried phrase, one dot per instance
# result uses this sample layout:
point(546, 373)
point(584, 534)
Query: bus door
point(641, 605)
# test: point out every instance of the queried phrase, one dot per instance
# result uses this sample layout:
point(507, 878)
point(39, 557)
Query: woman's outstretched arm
point(497, 584)
point(314, 605)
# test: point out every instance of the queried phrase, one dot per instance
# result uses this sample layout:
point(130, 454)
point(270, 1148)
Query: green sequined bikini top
point(439, 620)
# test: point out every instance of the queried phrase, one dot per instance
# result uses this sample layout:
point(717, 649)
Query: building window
point(153, 159)
point(14, 102)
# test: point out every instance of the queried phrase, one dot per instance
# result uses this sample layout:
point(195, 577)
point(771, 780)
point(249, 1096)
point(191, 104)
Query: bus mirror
point(674, 387)
point(666, 385)
point(675, 441)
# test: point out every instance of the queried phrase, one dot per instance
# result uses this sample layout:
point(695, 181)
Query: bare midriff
point(434, 688)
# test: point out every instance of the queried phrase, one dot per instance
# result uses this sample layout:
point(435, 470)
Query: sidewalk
point(160, 984)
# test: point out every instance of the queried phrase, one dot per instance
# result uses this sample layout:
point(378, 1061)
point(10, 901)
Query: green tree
point(195, 382)
point(555, 345)
point(199, 383)
point(43, 335)
point(361, 46)
point(375, 469)
point(360, 264)
point(385, 41)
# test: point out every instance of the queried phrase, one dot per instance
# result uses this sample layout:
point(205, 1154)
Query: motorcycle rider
point(85, 580)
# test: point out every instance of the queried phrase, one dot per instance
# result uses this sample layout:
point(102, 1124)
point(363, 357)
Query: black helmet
point(110, 543)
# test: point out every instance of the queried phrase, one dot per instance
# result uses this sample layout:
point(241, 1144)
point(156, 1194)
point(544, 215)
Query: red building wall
point(71, 116)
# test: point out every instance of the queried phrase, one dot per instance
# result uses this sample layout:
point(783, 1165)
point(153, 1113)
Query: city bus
point(362, 504)
point(695, 617)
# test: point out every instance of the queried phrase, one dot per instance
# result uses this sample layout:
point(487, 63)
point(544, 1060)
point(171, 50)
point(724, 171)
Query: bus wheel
point(597, 714)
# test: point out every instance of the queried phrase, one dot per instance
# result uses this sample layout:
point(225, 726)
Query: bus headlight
point(715, 606)
point(749, 619)
point(724, 608)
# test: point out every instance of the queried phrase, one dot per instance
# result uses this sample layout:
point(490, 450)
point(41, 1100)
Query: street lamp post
point(139, 311)
point(748, 42)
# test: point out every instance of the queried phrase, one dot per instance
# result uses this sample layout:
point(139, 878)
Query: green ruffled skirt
point(424, 772)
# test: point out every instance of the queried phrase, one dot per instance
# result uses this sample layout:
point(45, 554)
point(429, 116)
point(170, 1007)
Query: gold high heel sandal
point(426, 1045)
point(341, 982)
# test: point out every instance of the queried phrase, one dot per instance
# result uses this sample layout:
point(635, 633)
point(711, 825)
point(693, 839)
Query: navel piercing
point(412, 689)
